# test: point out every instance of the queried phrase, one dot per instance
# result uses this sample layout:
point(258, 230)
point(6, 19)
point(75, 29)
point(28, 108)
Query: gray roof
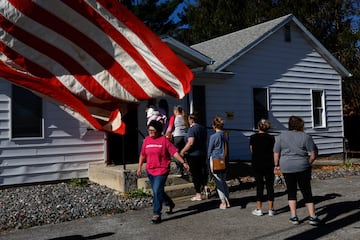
point(225, 49)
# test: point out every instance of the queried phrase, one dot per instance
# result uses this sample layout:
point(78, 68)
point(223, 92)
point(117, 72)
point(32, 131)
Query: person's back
point(262, 151)
point(295, 146)
point(200, 136)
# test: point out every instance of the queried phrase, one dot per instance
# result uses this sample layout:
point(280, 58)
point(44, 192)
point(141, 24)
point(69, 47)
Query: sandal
point(155, 219)
point(223, 206)
point(196, 198)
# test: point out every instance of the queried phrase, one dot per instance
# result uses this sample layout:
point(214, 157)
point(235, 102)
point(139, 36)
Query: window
point(260, 100)
point(26, 114)
point(318, 108)
point(287, 33)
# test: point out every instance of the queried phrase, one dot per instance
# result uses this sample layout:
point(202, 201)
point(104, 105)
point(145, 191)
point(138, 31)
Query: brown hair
point(264, 125)
point(180, 110)
point(194, 116)
point(218, 122)
point(296, 123)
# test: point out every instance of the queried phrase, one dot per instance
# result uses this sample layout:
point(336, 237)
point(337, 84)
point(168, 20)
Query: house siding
point(64, 153)
point(290, 70)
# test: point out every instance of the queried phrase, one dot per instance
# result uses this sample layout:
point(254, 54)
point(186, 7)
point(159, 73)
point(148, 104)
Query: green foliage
point(138, 193)
point(78, 182)
point(348, 163)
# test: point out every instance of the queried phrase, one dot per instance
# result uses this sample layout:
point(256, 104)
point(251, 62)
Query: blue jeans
point(159, 195)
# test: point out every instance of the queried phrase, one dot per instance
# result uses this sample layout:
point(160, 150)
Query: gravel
point(28, 206)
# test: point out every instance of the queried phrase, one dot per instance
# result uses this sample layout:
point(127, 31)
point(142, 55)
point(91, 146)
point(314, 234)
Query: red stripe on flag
point(62, 58)
point(44, 66)
point(165, 55)
point(50, 87)
point(47, 19)
point(87, 12)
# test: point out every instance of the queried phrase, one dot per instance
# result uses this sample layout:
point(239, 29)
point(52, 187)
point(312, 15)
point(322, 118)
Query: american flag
point(92, 57)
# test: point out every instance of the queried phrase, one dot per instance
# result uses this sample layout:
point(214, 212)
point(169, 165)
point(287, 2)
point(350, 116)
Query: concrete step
point(175, 186)
point(144, 183)
point(125, 179)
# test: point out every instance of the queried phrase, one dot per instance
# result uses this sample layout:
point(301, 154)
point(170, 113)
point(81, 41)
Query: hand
point(186, 166)
point(138, 172)
point(277, 171)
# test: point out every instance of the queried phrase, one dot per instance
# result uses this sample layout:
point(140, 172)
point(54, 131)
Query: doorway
point(123, 149)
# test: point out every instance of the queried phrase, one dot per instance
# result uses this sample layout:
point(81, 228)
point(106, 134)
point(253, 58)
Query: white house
point(274, 70)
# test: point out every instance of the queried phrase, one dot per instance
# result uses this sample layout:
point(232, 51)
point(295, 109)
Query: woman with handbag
point(217, 153)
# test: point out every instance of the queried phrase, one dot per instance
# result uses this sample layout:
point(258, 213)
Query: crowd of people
point(184, 140)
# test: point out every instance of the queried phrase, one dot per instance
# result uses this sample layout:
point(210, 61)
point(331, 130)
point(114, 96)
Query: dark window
point(199, 103)
point(26, 110)
point(260, 100)
point(287, 31)
point(318, 108)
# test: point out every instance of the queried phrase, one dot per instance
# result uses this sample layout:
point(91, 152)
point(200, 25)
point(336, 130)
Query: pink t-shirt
point(158, 152)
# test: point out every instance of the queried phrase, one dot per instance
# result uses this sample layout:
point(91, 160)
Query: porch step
point(125, 179)
point(175, 186)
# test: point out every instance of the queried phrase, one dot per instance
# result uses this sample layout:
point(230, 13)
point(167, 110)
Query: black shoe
point(294, 220)
point(314, 221)
point(169, 209)
point(155, 220)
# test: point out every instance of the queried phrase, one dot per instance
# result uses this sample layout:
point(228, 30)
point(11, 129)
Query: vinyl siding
point(290, 70)
point(64, 153)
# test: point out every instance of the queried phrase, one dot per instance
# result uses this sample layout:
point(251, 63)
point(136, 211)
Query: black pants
point(303, 179)
point(199, 171)
point(179, 143)
point(264, 178)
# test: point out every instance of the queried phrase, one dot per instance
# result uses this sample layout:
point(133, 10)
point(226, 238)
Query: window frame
point(37, 133)
point(315, 109)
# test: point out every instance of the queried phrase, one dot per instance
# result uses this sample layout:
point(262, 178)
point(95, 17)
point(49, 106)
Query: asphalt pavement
point(336, 202)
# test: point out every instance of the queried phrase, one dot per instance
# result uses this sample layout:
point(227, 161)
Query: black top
point(262, 151)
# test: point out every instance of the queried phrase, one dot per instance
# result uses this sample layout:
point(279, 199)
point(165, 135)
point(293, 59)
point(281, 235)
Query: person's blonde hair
point(218, 122)
point(264, 125)
point(180, 110)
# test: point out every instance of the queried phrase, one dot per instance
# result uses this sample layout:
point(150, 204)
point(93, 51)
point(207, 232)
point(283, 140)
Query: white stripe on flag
point(92, 57)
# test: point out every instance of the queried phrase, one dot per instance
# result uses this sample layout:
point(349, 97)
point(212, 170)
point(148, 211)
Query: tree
point(156, 14)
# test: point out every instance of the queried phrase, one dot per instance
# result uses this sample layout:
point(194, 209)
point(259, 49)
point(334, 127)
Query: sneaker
point(257, 212)
point(272, 212)
point(314, 220)
point(294, 220)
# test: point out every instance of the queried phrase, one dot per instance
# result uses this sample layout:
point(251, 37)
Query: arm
point(181, 160)
point(188, 145)
point(313, 156)
point(141, 162)
point(170, 126)
point(276, 163)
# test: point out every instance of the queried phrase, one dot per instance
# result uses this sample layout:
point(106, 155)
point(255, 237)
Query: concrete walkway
point(337, 204)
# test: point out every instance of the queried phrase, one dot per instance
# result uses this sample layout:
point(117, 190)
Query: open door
point(123, 149)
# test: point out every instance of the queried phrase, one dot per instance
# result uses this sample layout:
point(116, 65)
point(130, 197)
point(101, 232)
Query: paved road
point(337, 203)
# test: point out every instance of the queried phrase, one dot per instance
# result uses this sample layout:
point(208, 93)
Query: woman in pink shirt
point(157, 151)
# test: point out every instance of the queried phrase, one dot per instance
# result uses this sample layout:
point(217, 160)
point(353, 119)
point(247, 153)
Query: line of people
point(292, 154)
point(185, 140)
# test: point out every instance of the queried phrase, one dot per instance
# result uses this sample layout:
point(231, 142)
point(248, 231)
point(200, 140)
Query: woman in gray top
point(294, 153)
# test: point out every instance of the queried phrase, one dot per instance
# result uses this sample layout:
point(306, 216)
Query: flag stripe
point(93, 57)
point(136, 52)
point(64, 29)
point(165, 55)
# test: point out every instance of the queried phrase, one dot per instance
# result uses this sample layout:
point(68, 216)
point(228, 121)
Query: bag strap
point(225, 146)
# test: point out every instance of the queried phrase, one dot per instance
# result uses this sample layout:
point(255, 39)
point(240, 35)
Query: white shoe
point(272, 213)
point(257, 212)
